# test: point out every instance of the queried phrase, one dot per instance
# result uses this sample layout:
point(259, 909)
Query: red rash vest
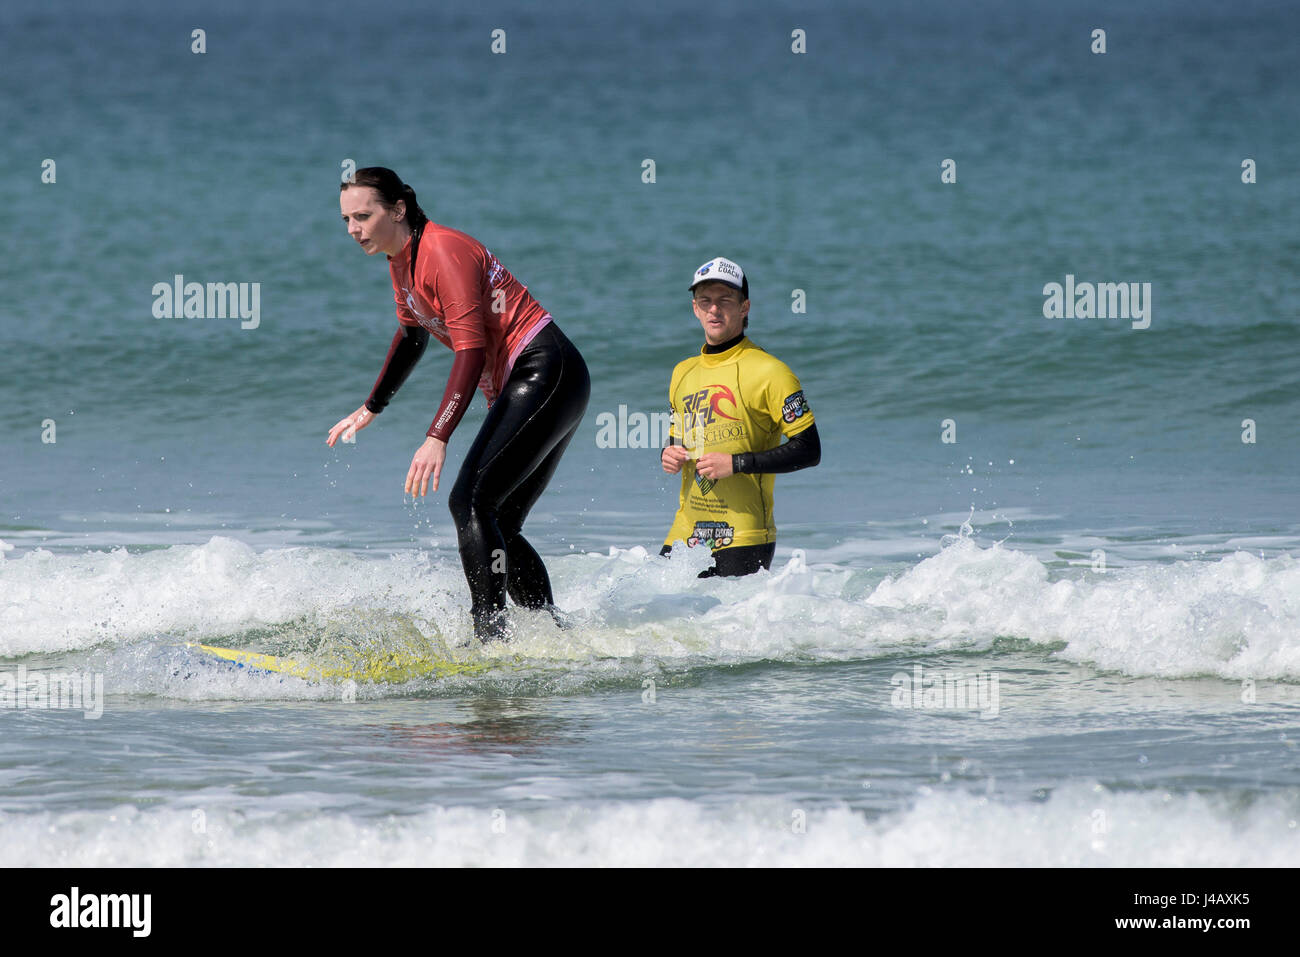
point(465, 298)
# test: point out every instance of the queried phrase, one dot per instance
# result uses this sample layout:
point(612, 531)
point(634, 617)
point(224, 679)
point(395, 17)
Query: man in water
point(731, 404)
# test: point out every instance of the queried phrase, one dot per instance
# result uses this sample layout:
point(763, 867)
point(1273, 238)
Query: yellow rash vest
point(741, 400)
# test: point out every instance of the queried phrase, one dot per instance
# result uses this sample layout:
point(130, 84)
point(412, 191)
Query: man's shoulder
point(758, 360)
point(686, 365)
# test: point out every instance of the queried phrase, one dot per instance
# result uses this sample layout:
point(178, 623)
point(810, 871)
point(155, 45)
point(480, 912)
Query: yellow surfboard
point(390, 667)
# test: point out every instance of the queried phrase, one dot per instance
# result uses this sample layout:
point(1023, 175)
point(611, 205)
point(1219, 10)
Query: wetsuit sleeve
point(456, 268)
point(465, 372)
point(407, 347)
point(799, 452)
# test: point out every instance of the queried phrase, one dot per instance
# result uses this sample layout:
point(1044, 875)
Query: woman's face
point(378, 230)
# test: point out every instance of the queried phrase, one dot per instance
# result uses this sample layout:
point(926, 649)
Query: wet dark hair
point(390, 188)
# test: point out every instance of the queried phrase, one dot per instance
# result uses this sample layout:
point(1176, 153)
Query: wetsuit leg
point(527, 582)
point(506, 469)
point(736, 561)
point(740, 560)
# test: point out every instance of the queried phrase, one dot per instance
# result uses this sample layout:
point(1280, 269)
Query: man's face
point(720, 310)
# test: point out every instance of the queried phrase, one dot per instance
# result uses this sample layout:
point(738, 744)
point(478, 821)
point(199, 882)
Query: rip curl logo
point(794, 406)
point(432, 323)
point(704, 408)
point(712, 534)
point(722, 395)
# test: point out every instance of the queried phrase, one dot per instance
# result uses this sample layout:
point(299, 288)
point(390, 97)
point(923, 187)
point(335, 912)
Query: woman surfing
point(449, 285)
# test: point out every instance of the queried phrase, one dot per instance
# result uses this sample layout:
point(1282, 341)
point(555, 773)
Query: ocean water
point(1038, 605)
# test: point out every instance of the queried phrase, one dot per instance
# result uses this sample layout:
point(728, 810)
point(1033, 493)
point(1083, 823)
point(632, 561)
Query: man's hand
point(714, 465)
point(426, 463)
point(673, 458)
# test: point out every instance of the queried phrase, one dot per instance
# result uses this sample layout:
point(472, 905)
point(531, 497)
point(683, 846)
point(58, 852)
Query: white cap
point(724, 271)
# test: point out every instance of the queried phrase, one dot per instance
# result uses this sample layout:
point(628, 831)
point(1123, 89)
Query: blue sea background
point(1099, 531)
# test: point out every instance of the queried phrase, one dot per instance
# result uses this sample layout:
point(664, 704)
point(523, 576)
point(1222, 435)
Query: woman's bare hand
point(349, 427)
point(426, 464)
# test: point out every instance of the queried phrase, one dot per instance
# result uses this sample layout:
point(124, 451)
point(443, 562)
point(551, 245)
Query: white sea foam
point(53, 603)
point(1078, 825)
point(1234, 617)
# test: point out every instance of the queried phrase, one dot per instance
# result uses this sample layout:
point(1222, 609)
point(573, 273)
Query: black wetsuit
point(507, 468)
